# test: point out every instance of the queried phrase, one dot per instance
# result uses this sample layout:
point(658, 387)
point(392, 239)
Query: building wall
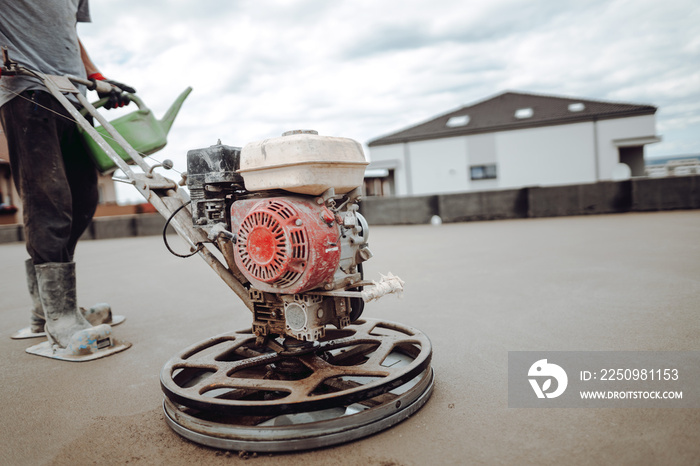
point(481, 151)
point(621, 128)
point(439, 165)
point(392, 157)
point(552, 155)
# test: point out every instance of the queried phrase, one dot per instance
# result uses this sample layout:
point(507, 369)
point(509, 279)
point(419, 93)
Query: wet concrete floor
point(626, 282)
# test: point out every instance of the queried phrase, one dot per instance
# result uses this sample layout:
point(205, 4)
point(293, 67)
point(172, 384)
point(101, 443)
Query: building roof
point(513, 110)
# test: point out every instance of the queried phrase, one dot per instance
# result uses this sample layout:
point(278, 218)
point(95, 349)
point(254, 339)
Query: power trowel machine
point(278, 221)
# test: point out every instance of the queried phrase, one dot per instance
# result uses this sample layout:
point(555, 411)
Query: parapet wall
point(119, 226)
point(636, 195)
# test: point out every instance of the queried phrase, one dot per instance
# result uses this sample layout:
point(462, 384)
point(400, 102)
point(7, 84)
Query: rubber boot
point(100, 313)
point(65, 324)
point(37, 317)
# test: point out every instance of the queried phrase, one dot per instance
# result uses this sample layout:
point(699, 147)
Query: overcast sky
point(365, 68)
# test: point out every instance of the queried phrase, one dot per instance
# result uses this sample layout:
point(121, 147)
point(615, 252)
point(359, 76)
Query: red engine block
point(285, 244)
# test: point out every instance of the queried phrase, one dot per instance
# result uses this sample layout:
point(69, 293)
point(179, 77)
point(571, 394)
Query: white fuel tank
point(303, 162)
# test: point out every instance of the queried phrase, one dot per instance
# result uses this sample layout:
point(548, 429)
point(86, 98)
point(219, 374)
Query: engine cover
point(285, 244)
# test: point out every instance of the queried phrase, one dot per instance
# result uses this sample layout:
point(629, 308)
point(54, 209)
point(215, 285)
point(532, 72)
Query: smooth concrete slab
point(479, 290)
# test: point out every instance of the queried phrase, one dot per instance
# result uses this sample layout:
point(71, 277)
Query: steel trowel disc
point(305, 430)
point(231, 375)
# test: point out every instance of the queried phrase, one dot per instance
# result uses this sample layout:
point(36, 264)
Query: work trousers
point(53, 173)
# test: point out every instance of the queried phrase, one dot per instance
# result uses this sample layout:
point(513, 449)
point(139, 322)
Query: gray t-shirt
point(41, 35)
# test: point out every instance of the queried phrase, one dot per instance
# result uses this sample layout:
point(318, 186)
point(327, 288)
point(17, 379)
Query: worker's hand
point(117, 96)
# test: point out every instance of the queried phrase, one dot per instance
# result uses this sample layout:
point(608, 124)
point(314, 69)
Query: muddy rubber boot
point(65, 326)
point(37, 317)
point(100, 313)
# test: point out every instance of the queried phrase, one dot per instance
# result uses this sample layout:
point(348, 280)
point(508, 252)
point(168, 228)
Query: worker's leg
point(82, 179)
point(33, 124)
point(37, 128)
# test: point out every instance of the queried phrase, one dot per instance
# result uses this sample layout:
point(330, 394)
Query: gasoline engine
point(289, 207)
point(309, 372)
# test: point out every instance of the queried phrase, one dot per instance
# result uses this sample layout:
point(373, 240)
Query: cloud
point(363, 68)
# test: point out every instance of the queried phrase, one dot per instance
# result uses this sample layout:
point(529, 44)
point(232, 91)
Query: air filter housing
point(303, 162)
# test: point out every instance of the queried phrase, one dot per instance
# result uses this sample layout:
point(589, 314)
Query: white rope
point(388, 284)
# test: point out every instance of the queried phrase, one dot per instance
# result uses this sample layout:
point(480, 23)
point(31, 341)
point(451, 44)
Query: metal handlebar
point(12, 68)
point(96, 85)
point(161, 192)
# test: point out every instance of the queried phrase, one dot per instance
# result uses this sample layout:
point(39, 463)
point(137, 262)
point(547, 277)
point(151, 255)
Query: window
point(483, 172)
point(523, 113)
point(577, 107)
point(455, 121)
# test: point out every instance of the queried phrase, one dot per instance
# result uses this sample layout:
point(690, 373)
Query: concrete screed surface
point(478, 290)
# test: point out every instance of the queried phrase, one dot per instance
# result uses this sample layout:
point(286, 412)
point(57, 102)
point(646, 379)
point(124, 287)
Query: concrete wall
point(103, 228)
point(636, 195)
point(486, 205)
point(670, 193)
point(596, 198)
point(400, 210)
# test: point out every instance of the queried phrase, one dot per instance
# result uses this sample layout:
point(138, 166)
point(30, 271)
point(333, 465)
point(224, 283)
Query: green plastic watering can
point(141, 130)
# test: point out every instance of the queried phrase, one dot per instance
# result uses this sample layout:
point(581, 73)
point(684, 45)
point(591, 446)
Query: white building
point(513, 140)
